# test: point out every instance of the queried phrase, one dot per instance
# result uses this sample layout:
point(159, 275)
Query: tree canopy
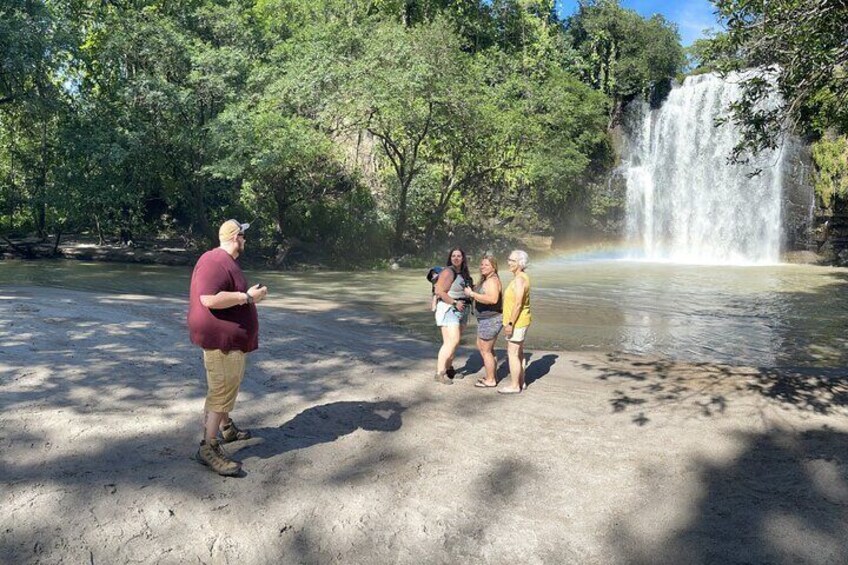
point(798, 52)
point(394, 123)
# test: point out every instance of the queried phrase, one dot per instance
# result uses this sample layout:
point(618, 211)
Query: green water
point(784, 315)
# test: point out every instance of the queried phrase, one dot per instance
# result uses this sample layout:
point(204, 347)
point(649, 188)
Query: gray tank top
point(455, 290)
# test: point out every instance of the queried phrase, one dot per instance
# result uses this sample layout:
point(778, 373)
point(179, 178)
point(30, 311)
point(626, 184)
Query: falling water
point(685, 202)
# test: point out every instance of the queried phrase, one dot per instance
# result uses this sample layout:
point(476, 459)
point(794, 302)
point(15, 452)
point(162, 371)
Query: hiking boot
point(231, 432)
point(211, 455)
point(443, 378)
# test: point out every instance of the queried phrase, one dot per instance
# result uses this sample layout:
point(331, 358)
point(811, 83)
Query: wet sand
point(362, 458)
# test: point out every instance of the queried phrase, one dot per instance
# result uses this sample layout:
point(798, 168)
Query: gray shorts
point(489, 328)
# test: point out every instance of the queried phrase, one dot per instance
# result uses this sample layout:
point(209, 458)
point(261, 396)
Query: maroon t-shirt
point(227, 329)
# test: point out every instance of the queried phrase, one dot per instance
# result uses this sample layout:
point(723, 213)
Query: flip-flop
point(509, 390)
point(481, 383)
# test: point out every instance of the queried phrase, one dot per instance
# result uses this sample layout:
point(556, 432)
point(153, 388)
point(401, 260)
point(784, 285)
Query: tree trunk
point(401, 219)
point(56, 242)
point(200, 217)
point(99, 230)
point(281, 200)
point(40, 219)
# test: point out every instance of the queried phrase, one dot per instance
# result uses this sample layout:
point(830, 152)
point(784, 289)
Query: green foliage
point(700, 53)
point(405, 89)
point(798, 51)
point(337, 125)
point(831, 158)
point(623, 53)
point(569, 127)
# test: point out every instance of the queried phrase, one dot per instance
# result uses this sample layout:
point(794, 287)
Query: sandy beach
point(361, 458)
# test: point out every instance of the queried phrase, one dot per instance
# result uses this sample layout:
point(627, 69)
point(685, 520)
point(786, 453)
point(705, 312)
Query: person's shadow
point(533, 371)
point(473, 364)
point(321, 424)
point(539, 368)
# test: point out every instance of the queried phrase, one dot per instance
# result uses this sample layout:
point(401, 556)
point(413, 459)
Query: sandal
point(509, 390)
point(481, 383)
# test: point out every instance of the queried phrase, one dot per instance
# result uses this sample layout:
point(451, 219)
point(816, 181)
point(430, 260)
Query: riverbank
point(362, 458)
point(160, 252)
point(177, 253)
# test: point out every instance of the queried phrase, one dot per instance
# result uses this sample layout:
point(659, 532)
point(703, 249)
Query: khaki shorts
point(518, 335)
point(224, 372)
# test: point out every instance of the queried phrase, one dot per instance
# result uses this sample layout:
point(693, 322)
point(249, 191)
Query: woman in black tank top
point(488, 300)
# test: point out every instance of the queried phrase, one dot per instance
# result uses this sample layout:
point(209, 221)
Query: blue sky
point(691, 16)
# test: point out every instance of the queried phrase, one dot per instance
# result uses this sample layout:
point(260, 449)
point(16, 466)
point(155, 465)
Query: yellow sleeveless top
point(509, 302)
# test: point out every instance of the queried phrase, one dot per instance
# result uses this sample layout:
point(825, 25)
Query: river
point(780, 315)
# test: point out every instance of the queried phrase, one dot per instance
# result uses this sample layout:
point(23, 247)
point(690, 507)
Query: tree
point(35, 48)
point(567, 122)
point(29, 41)
point(157, 75)
point(401, 91)
point(623, 53)
point(282, 161)
point(483, 139)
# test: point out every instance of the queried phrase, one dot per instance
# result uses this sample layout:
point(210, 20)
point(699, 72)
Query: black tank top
point(488, 310)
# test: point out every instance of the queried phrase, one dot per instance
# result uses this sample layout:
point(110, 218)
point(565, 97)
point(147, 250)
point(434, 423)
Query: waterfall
point(685, 202)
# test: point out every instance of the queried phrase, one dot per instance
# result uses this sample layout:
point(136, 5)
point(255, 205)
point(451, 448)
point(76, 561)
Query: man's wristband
point(249, 298)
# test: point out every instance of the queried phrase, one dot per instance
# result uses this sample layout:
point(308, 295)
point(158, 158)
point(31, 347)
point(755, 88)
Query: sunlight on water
point(783, 315)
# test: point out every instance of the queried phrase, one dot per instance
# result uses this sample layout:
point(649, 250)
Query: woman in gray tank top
point(451, 311)
point(488, 301)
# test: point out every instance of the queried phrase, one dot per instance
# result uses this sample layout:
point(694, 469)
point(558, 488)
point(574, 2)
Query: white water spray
point(685, 202)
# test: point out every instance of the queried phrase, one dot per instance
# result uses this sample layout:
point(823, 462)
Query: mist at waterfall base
point(685, 202)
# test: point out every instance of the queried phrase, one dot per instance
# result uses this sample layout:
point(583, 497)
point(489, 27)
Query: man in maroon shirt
point(222, 320)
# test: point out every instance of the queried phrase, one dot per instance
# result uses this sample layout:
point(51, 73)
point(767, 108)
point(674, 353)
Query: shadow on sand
point(708, 388)
point(539, 368)
point(322, 424)
point(783, 499)
point(534, 371)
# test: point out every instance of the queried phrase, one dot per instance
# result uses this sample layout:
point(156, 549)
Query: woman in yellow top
point(516, 312)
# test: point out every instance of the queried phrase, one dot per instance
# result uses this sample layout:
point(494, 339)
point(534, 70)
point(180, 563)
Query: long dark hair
point(463, 269)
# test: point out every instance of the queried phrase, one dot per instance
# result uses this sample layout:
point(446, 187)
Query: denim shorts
point(489, 328)
point(447, 315)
